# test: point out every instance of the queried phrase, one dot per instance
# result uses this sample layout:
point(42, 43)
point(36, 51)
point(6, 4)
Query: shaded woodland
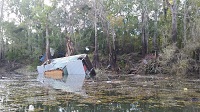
point(120, 34)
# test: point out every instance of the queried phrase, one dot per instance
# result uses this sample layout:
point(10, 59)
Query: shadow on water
point(20, 93)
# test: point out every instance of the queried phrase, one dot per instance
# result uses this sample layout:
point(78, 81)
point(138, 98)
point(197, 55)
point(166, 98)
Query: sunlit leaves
point(116, 21)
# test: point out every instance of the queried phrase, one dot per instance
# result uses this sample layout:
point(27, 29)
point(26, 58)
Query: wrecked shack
point(68, 71)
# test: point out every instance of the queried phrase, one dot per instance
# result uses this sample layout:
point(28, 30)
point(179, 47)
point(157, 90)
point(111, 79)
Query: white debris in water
point(31, 108)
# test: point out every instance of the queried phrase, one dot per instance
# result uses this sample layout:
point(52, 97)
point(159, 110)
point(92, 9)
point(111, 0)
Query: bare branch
point(168, 4)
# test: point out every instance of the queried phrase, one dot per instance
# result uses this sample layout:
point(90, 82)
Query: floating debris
point(31, 108)
point(67, 73)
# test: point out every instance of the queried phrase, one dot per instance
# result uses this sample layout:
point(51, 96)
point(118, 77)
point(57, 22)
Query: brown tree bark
point(47, 57)
point(69, 47)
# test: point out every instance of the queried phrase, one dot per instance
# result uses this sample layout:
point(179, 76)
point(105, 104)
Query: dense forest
point(112, 30)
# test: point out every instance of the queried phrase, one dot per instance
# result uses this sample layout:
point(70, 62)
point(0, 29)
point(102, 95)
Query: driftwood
point(138, 69)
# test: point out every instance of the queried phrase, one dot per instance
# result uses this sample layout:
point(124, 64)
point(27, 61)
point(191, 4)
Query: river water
point(23, 93)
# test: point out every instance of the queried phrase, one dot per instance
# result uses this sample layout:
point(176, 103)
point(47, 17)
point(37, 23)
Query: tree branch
point(168, 4)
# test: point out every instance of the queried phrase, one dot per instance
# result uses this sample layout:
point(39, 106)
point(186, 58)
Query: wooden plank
point(54, 74)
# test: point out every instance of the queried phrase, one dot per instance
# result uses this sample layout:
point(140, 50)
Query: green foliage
point(14, 55)
point(34, 64)
point(181, 67)
point(180, 61)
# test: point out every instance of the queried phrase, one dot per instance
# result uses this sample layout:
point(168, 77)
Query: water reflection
point(72, 80)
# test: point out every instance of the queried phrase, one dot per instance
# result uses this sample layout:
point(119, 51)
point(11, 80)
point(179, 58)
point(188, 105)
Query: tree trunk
point(155, 26)
point(174, 19)
point(108, 43)
point(111, 42)
point(96, 55)
point(47, 57)
point(185, 23)
point(193, 32)
point(147, 33)
point(69, 47)
point(29, 42)
point(114, 55)
point(2, 49)
point(164, 9)
point(144, 38)
point(174, 27)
